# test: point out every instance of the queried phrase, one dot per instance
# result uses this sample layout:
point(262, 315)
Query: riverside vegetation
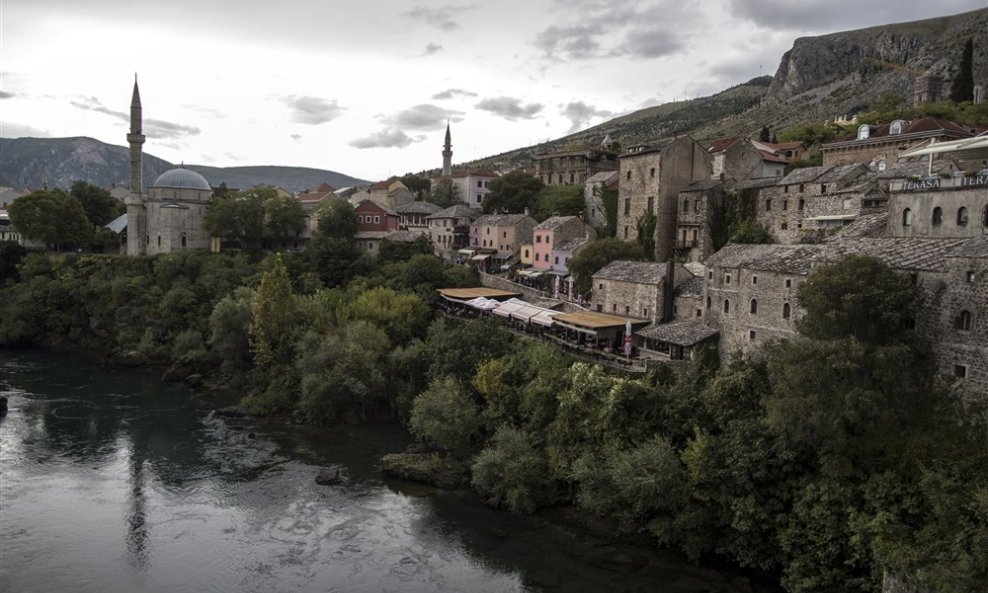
point(835, 458)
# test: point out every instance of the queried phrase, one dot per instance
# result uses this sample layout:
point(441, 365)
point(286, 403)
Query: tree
point(417, 184)
point(595, 256)
point(100, 207)
point(11, 254)
point(272, 315)
point(764, 135)
point(646, 234)
point(559, 200)
point(962, 88)
point(513, 193)
point(238, 216)
point(445, 193)
point(337, 219)
point(53, 217)
point(445, 415)
point(283, 215)
point(511, 472)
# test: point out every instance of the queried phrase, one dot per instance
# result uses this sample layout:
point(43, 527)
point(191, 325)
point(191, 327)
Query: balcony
point(681, 244)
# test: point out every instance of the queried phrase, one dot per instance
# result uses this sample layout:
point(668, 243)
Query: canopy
point(508, 307)
point(484, 304)
point(966, 144)
point(480, 257)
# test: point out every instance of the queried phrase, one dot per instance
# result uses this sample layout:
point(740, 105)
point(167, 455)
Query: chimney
point(669, 290)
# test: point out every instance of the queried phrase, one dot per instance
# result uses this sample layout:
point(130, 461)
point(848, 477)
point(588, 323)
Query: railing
point(680, 244)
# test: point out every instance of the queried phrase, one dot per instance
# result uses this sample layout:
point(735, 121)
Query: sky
point(366, 88)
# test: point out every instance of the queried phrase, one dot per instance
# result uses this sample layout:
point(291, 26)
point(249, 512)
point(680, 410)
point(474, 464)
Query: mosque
point(171, 215)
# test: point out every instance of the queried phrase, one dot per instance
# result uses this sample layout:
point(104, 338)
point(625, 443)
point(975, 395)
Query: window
point(488, 229)
point(504, 234)
point(784, 226)
point(651, 172)
point(613, 307)
point(627, 310)
point(727, 278)
point(727, 306)
point(962, 216)
point(600, 308)
point(768, 205)
point(480, 183)
point(754, 279)
point(802, 203)
point(970, 276)
point(752, 335)
point(963, 321)
point(600, 286)
point(557, 259)
point(785, 204)
point(183, 239)
point(754, 307)
point(625, 232)
point(686, 205)
point(377, 219)
point(823, 188)
point(571, 178)
point(937, 216)
point(786, 311)
point(800, 188)
point(645, 312)
point(627, 206)
point(699, 312)
point(526, 254)
point(651, 203)
point(907, 217)
point(788, 282)
point(628, 176)
point(960, 371)
point(480, 198)
point(159, 240)
point(710, 275)
point(538, 238)
point(708, 302)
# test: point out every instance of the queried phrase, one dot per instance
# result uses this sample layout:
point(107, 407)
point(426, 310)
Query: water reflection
point(114, 482)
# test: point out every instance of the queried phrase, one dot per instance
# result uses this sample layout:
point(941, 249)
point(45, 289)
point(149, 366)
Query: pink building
point(554, 232)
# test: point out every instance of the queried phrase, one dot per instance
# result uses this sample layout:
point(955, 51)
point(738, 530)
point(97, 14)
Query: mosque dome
point(181, 178)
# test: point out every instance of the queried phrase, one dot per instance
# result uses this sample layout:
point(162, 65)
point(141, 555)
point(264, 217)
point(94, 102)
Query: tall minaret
point(136, 139)
point(136, 222)
point(447, 154)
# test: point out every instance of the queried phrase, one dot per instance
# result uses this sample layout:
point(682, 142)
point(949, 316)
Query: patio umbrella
point(627, 338)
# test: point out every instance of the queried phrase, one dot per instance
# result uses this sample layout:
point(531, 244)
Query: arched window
point(727, 306)
point(907, 217)
point(786, 311)
point(937, 216)
point(962, 216)
point(754, 306)
point(183, 240)
point(963, 321)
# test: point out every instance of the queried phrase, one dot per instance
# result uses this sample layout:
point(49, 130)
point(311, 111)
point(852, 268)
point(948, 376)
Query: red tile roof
point(722, 144)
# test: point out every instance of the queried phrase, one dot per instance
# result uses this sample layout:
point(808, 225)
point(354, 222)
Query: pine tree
point(765, 134)
point(962, 89)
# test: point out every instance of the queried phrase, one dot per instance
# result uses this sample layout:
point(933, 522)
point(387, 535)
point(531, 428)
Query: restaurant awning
point(508, 307)
point(480, 257)
point(466, 251)
point(591, 322)
point(462, 295)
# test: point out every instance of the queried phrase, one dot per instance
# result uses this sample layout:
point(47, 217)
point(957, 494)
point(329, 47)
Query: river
point(112, 481)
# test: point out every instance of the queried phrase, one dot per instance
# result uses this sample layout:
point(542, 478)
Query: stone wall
point(632, 299)
point(921, 203)
point(694, 221)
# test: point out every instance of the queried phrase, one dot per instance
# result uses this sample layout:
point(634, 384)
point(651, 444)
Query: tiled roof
point(457, 211)
point(722, 144)
point(758, 183)
point(417, 208)
point(402, 236)
point(918, 168)
point(680, 333)
point(842, 173)
point(572, 244)
point(974, 247)
point(772, 157)
point(381, 184)
point(554, 222)
point(805, 175)
point(920, 126)
point(703, 185)
point(640, 272)
point(785, 145)
point(867, 225)
point(657, 146)
point(691, 288)
point(602, 177)
point(501, 219)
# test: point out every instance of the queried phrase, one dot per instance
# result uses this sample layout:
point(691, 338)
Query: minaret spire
point(447, 154)
point(136, 139)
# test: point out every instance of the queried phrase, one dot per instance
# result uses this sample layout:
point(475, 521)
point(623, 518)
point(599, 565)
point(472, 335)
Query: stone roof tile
point(639, 272)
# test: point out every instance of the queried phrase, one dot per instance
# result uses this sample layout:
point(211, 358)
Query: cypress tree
point(962, 89)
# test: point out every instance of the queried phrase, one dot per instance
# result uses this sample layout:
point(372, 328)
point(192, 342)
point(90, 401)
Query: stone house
point(952, 206)
point(651, 178)
point(772, 163)
point(882, 144)
point(751, 295)
point(740, 157)
point(637, 289)
point(504, 233)
point(311, 199)
point(374, 222)
point(473, 185)
point(813, 200)
point(390, 193)
point(413, 216)
point(449, 229)
point(699, 204)
point(562, 252)
point(552, 233)
point(574, 167)
point(593, 197)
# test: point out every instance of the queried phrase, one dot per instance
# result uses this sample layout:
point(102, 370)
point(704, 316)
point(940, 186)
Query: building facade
point(574, 167)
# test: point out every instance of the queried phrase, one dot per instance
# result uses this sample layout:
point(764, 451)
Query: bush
point(445, 415)
point(511, 473)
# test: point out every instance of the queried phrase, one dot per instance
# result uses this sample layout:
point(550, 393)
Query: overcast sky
point(366, 87)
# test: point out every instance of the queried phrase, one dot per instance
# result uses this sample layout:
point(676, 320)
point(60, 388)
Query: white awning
point(508, 307)
point(480, 257)
point(466, 251)
point(978, 142)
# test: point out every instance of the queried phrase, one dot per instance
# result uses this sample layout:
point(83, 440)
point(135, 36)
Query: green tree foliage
point(813, 134)
point(100, 207)
point(765, 135)
point(238, 217)
point(595, 256)
point(559, 200)
point(272, 316)
point(646, 234)
point(610, 199)
point(457, 348)
point(962, 87)
point(397, 251)
point(738, 222)
point(419, 185)
point(513, 193)
point(11, 255)
point(400, 316)
point(283, 215)
point(53, 217)
point(445, 193)
point(446, 416)
point(228, 327)
point(511, 472)
point(332, 252)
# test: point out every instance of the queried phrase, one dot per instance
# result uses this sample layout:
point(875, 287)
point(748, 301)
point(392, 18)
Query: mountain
point(818, 79)
point(29, 162)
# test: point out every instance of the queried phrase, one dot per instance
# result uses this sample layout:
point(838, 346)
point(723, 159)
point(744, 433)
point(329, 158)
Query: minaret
point(447, 155)
point(136, 139)
point(136, 223)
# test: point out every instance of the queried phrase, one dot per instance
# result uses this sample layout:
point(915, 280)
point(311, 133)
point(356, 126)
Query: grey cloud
point(422, 117)
point(830, 15)
point(155, 128)
point(577, 41)
point(6, 95)
point(312, 110)
point(296, 137)
point(16, 130)
point(431, 49)
point(510, 108)
point(386, 138)
point(579, 114)
point(440, 17)
point(651, 43)
point(450, 93)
